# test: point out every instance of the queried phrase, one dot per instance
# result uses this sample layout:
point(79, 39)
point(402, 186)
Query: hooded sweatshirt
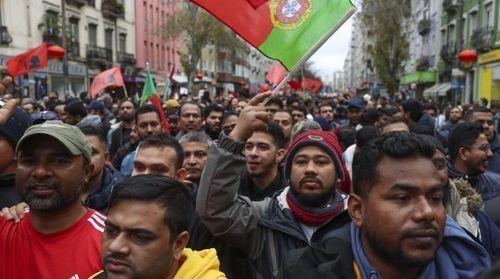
point(458, 256)
point(194, 265)
point(199, 265)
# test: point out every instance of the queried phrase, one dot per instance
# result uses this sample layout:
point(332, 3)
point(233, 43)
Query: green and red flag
point(286, 30)
point(149, 88)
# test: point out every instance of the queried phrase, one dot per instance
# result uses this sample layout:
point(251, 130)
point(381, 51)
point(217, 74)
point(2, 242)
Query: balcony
point(424, 26)
point(450, 6)
point(99, 55)
point(112, 9)
point(448, 52)
point(78, 3)
point(52, 37)
point(423, 64)
point(5, 37)
point(482, 39)
point(125, 58)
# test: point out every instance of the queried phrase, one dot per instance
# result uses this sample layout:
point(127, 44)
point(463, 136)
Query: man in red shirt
point(58, 237)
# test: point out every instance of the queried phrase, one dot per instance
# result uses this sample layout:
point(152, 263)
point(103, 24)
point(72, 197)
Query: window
point(473, 22)
point(122, 41)
point(488, 15)
point(108, 38)
point(93, 34)
point(73, 34)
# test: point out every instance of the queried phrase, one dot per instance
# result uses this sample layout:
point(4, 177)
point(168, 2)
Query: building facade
point(100, 34)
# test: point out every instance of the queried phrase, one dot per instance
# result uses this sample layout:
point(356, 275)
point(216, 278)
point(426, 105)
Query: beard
point(396, 256)
point(316, 200)
point(58, 200)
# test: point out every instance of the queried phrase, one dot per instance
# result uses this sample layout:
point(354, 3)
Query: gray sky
point(330, 57)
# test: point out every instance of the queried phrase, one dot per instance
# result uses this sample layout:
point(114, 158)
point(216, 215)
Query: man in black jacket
point(10, 133)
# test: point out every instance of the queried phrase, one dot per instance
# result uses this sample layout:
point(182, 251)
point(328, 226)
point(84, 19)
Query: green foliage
point(385, 21)
point(198, 29)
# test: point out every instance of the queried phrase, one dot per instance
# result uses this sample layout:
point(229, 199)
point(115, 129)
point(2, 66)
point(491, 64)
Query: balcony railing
point(5, 37)
point(52, 38)
point(112, 9)
point(424, 26)
point(99, 54)
point(125, 58)
point(450, 6)
point(448, 52)
point(78, 3)
point(482, 39)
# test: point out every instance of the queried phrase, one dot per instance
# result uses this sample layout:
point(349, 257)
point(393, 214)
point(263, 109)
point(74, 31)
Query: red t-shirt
point(74, 253)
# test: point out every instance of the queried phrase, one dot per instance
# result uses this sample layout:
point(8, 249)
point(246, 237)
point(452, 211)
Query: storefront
point(489, 75)
point(419, 81)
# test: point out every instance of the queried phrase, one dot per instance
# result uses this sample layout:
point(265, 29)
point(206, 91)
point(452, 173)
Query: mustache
point(424, 229)
point(31, 184)
point(114, 258)
point(310, 178)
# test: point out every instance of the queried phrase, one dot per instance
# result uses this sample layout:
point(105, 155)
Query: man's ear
point(462, 153)
point(356, 209)
point(107, 158)
point(179, 244)
point(87, 170)
point(280, 155)
point(181, 174)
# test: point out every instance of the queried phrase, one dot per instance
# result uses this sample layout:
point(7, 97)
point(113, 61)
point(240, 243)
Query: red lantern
point(198, 76)
point(468, 57)
point(56, 51)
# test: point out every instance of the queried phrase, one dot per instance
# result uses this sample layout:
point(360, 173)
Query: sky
point(330, 57)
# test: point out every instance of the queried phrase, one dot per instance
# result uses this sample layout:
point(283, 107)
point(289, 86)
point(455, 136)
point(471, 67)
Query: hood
point(199, 265)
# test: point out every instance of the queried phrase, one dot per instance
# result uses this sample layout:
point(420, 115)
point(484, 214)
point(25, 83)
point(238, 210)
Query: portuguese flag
point(286, 30)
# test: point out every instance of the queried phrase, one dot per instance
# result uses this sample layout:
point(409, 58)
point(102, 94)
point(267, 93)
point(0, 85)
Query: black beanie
point(14, 129)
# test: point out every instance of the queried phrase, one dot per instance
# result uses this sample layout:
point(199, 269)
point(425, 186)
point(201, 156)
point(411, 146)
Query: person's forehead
point(127, 104)
point(326, 107)
point(148, 117)
point(155, 154)
point(419, 172)
point(215, 113)
point(482, 138)
point(195, 146)
point(281, 115)
point(311, 151)
point(297, 111)
point(260, 137)
point(231, 119)
point(95, 142)
point(482, 116)
point(130, 214)
point(190, 108)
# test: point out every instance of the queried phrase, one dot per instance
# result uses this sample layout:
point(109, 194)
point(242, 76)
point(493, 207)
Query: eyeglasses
point(485, 148)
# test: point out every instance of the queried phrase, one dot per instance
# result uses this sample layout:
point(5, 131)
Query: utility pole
point(65, 46)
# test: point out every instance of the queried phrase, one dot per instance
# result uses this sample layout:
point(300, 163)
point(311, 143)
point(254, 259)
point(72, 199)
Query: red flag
point(28, 61)
point(295, 85)
point(155, 100)
point(276, 73)
point(256, 3)
point(110, 77)
point(312, 84)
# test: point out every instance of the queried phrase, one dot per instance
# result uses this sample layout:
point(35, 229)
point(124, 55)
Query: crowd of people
point(269, 186)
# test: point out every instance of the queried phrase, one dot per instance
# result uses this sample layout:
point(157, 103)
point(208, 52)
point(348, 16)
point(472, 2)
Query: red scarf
point(310, 218)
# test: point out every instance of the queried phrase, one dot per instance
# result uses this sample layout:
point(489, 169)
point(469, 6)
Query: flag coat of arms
point(110, 77)
point(29, 61)
point(286, 30)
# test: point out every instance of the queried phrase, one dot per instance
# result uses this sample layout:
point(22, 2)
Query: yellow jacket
point(194, 265)
point(199, 265)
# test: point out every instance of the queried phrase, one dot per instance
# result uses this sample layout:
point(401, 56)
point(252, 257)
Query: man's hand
point(8, 108)
point(252, 117)
point(14, 213)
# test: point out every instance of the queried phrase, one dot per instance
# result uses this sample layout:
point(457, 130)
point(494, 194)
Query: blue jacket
point(100, 196)
point(494, 165)
point(128, 164)
point(487, 183)
point(459, 256)
point(490, 235)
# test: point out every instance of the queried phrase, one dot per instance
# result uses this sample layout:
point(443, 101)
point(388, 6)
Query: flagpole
point(125, 90)
point(275, 90)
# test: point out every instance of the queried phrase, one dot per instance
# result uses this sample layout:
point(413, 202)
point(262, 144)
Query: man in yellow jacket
point(146, 233)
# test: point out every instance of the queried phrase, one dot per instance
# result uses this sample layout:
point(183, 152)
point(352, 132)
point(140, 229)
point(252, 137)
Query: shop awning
point(444, 88)
point(432, 90)
point(439, 89)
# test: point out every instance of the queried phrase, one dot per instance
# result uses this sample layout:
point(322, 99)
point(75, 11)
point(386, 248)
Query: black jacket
point(8, 193)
